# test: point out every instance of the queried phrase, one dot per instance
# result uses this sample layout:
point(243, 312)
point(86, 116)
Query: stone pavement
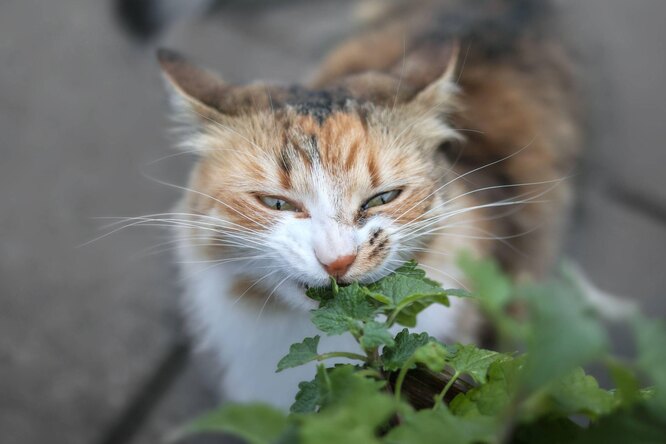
point(91, 349)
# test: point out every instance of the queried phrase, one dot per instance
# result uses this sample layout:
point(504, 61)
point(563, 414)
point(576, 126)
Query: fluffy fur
point(476, 141)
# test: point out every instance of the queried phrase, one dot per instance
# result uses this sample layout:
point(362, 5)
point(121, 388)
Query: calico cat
point(444, 126)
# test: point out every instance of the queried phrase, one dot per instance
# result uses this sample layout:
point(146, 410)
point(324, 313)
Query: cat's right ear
point(196, 93)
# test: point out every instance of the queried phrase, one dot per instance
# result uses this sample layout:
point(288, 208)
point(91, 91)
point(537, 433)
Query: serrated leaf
point(254, 423)
point(433, 355)
point(332, 386)
point(333, 321)
point(407, 292)
point(307, 398)
point(345, 312)
point(320, 294)
point(352, 408)
point(441, 427)
point(376, 335)
point(357, 422)
point(343, 382)
point(573, 394)
point(393, 358)
point(491, 398)
point(299, 354)
point(473, 361)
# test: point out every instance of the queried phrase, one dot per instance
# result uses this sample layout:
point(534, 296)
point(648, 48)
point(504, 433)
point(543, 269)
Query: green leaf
point(471, 360)
point(254, 423)
point(433, 355)
point(307, 398)
point(575, 393)
point(564, 334)
point(352, 408)
point(491, 398)
point(344, 382)
point(637, 426)
point(345, 312)
point(332, 386)
point(357, 422)
point(441, 427)
point(406, 292)
point(549, 431)
point(651, 341)
point(491, 286)
point(580, 393)
point(406, 344)
point(375, 335)
point(628, 387)
point(320, 294)
point(300, 354)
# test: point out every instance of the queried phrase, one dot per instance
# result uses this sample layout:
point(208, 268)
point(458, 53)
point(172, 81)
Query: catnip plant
point(411, 388)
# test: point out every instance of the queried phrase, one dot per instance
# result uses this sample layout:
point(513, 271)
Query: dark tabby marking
point(318, 104)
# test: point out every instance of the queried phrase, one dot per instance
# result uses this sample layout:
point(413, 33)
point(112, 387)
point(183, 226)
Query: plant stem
point(401, 377)
point(373, 358)
point(370, 372)
point(440, 398)
point(342, 355)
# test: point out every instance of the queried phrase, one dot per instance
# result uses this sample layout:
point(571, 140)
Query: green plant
point(410, 388)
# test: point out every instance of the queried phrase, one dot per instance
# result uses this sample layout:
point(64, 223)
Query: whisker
point(182, 188)
point(271, 294)
point(466, 174)
point(252, 286)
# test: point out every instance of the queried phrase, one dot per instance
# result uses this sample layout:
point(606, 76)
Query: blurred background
point(91, 348)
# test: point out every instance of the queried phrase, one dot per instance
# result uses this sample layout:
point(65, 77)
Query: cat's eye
point(381, 199)
point(278, 204)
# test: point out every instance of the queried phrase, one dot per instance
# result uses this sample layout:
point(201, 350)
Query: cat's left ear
point(196, 93)
point(439, 96)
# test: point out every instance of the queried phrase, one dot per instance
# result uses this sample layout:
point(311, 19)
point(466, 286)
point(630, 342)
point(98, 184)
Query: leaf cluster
point(537, 391)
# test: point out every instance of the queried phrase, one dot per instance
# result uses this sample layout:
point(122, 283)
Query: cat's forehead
point(329, 145)
point(319, 104)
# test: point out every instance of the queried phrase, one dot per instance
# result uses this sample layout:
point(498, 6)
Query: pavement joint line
point(636, 201)
point(147, 398)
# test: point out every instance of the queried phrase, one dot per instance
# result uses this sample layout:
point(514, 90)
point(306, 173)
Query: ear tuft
point(440, 94)
point(167, 57)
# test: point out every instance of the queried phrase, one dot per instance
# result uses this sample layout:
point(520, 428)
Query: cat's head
point(296, 185)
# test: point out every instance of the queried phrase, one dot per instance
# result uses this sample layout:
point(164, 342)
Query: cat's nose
point(340, 266)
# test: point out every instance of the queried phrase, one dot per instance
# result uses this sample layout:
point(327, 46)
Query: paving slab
point(623, 43)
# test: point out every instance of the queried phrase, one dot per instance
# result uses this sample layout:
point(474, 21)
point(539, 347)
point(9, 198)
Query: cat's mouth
point(303, 285)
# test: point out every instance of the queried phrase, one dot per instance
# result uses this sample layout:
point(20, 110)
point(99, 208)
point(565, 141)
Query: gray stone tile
point(623, 43)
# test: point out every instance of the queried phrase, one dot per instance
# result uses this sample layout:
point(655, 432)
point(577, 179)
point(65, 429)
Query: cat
point(444, 126)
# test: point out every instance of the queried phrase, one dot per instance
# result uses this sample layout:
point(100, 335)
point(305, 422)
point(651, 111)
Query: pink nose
point(340, 266)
